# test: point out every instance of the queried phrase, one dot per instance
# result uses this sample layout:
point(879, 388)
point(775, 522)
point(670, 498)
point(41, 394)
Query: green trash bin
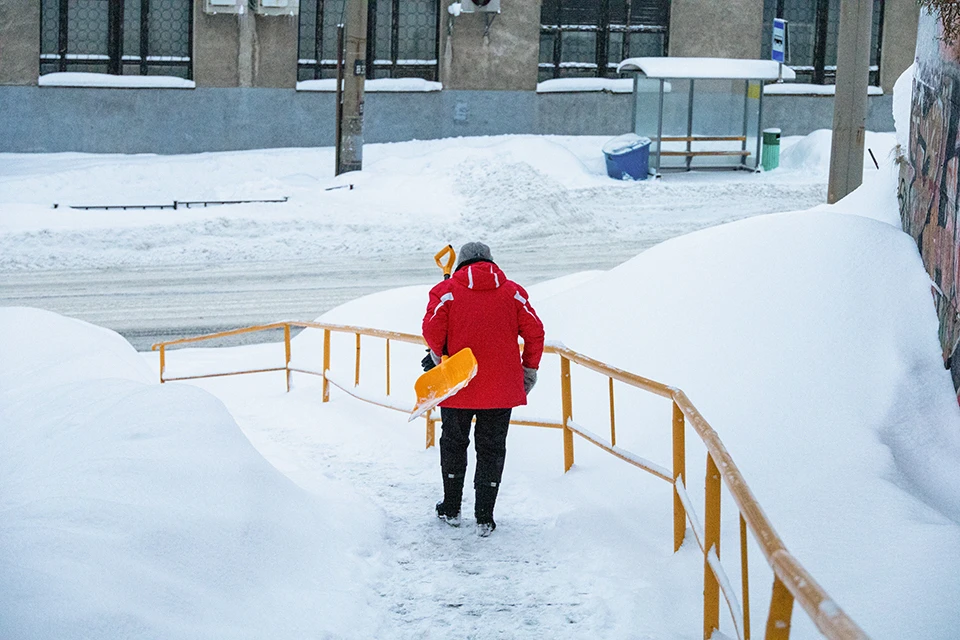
point(771, 149)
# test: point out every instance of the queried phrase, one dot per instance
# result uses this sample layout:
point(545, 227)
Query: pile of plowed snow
point(134, 510)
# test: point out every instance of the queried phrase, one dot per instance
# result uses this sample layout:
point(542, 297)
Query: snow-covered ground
point(544, 203)
point(807, 339)
point(518, 192)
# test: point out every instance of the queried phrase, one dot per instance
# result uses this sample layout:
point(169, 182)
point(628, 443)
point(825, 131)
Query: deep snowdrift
point(141, 511)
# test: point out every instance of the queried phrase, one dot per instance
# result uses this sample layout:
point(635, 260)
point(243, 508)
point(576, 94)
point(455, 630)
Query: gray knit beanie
point(473, 252)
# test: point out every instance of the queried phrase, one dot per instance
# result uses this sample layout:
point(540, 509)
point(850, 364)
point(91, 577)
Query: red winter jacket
point(479, 308)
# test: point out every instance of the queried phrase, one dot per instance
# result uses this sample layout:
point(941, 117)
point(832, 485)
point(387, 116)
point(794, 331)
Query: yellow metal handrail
point(791, 582)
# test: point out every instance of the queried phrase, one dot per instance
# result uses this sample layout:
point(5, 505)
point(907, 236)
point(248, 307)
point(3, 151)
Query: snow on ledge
point(108, 81)
point(704, 68)
point(564, 85)
point(802, 89)
point(610, 85)
point(412, 85)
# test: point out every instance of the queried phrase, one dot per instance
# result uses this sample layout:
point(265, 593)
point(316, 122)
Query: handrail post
point(326, 364)
point(356, 377)
point(613, 418)
point(388, 366)
point(431, 429)
point(711, 541)
point(679, 474)
point(163, 361)
point(781, 610)
point(745, 578)
point(286, 347)
point(567, 399)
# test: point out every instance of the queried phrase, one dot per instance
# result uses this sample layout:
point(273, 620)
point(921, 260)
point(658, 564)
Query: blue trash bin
point(628, 157)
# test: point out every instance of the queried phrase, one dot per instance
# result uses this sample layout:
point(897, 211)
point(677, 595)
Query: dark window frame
point(819, 72)
point(379, 63)
point(115, 59)
point(625, 17)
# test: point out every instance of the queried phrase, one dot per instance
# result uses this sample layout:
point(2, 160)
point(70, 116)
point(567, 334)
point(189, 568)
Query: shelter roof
point(702, 68)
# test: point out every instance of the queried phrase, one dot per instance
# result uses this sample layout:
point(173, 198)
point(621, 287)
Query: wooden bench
point(691, 139)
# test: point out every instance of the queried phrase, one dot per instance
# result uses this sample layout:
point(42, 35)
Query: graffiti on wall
point(930, 178)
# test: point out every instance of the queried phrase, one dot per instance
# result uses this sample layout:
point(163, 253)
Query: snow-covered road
point(156, 275)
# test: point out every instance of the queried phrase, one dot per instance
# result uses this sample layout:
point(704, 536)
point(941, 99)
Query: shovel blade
point(443, 381)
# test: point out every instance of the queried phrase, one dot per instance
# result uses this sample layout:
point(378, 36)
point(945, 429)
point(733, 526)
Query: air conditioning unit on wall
point(275, 7)
point(480, 6)
point(223, 6)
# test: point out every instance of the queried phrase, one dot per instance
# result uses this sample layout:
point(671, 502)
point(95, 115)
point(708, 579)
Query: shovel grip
point(451, 258)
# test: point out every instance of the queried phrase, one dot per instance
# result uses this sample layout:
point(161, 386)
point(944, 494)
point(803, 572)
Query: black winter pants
point(491, 447)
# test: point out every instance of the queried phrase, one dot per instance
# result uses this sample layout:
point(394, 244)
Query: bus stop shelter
point(703, 113)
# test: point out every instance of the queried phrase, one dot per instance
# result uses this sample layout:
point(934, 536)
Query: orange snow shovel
point(454, 372)
point(444, 380)
point(447, 266)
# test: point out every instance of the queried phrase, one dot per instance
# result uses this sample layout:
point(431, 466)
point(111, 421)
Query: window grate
point(402, 39)
point(812, 45)
point(121, 37)
point(590, 37)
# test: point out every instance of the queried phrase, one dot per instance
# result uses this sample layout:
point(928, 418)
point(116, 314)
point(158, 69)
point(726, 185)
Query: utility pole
point(850, 102)
point(350, 142)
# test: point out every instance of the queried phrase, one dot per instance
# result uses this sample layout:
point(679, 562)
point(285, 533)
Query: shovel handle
point(447, 266)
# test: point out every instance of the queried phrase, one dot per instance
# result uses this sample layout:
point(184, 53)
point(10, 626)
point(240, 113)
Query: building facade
point(243, 68)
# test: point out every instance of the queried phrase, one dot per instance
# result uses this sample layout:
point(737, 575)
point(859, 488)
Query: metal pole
point(660, 127)
point(679, 472)
point(756, 162)
point(351, 131)
point(339, 122)
point(326, 364)
point(286, 349)
point(690, 125)
point(567, 408)
point(850, 103)
point(711, 542)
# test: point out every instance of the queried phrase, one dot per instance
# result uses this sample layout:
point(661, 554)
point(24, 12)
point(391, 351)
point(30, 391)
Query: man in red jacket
point(481, 309)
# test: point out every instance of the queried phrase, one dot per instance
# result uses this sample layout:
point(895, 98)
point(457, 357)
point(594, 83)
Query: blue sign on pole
point(778, 48)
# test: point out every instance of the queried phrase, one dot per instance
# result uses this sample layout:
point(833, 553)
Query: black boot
point(483, 508)
point(448, 509)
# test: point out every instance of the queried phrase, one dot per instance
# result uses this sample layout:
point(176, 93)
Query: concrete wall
point(799, 115)
point(216, 49)
point(728, 29)
point(899, 40)
point(53, 119)
point(507, 60)
point(19, 41)
point(275, 51)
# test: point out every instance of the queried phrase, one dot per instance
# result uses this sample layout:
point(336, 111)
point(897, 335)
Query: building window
point(812, 46)
point(121, 37)
point(581, 38)
point(402, 38)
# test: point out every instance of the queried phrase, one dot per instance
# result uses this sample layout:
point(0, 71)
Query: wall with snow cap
point(929, 176)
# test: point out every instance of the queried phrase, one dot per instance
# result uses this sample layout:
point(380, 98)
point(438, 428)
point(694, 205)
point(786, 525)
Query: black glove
point(429, 361)
point(529, 379)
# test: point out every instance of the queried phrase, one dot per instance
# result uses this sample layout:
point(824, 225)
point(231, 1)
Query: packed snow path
point(537, 576)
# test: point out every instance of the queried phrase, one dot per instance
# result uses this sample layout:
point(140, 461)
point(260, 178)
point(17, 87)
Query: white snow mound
point(808, 340)
point(133, 509)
